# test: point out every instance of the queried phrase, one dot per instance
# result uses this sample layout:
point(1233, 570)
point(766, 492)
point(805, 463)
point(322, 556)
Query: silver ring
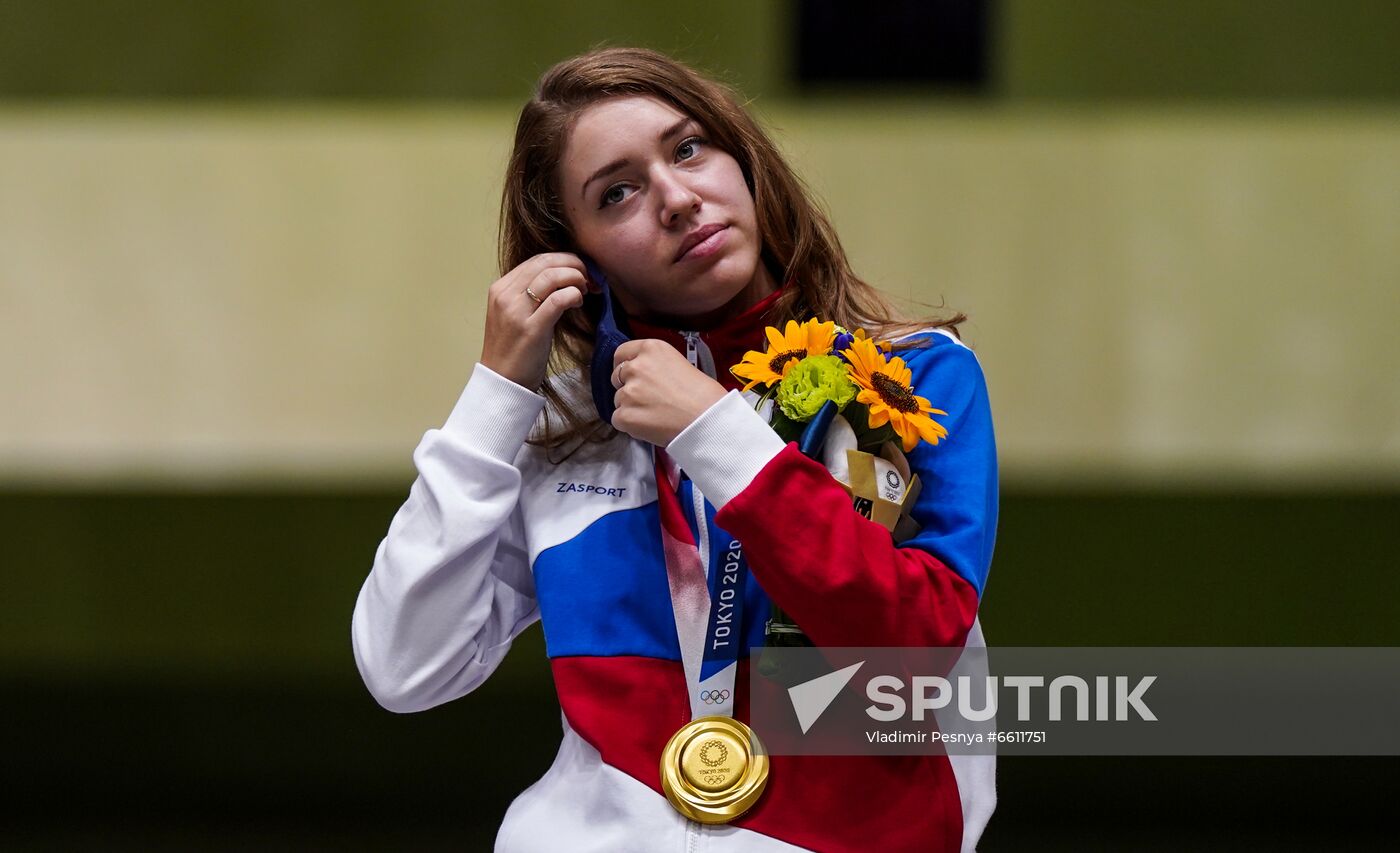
point(530, 293)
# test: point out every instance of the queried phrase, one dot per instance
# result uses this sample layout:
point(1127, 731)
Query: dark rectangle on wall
point(939, 43)
point(350, 49)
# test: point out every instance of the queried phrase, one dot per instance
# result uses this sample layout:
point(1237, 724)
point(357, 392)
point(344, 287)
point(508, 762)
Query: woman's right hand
point(519, 330)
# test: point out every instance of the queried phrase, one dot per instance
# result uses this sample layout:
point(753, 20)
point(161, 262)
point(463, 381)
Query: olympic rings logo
point(714, 697)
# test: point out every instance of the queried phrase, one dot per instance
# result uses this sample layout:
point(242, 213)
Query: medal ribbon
point(708, 606)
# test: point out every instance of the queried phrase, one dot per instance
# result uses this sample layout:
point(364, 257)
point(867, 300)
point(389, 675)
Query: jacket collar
point(727, 342)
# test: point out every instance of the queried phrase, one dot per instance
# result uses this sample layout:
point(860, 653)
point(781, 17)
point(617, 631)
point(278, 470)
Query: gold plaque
point(713, 769)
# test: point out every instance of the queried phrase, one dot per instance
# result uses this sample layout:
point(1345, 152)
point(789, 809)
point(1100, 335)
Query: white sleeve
point(451, 585)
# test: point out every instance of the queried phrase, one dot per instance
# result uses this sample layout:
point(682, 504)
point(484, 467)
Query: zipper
point(694, 830)
point(698, 353)
point(692, 348)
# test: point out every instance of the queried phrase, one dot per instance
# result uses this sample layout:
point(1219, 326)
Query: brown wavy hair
point(800, 247)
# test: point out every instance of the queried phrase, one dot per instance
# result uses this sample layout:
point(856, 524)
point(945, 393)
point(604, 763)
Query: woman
point(530, 505)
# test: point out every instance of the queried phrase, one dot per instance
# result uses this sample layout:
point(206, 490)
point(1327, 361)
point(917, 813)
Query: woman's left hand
point(659, 392)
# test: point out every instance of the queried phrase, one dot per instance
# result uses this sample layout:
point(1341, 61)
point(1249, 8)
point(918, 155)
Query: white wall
point(214, 294)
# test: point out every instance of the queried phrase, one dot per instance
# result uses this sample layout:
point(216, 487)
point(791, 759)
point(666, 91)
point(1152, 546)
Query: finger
point(548, 312)
point(536, 264)
point(621, 356)
point(629, 351)
point(551, 280)
point(515, 280)
point(596, 277)
point(620, 418)
point(624, 412)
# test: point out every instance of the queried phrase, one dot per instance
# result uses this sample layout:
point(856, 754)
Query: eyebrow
point(623, 162)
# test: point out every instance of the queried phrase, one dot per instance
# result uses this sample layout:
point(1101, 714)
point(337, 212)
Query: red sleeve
point(838, 574)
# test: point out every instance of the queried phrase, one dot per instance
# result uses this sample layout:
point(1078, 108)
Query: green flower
point(811, 382)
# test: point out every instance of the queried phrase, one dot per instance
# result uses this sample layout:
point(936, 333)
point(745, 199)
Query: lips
point(698, 236)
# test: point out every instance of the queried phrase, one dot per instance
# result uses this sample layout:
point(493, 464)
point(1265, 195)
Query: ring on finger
point(530, 293)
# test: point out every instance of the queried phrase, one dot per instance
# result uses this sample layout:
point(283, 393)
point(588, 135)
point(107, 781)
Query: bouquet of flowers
point(851, 405)
point(812, 363)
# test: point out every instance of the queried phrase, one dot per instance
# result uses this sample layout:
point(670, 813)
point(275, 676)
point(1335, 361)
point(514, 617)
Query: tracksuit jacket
point(493, 536)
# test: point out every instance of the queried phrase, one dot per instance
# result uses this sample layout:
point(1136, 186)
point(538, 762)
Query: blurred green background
point(244, 249)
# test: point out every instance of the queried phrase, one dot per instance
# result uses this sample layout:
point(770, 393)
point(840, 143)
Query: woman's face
point(640, 182)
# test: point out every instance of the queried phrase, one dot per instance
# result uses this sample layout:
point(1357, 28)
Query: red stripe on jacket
point(835, 572)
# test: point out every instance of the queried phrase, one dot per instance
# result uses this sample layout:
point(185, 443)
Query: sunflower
point(784, 350)
point(885, 388)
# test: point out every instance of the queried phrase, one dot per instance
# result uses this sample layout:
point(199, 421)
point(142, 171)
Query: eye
point(611, 195)
point(692, 144)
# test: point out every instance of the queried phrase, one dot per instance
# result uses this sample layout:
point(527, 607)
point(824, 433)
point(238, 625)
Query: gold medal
point(713, 769)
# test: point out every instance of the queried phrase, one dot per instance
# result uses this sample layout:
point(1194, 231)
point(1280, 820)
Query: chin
point(720, 284)
point(707, 292)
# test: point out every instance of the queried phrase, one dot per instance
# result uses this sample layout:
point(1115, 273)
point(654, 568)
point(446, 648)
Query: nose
point(677, 197)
